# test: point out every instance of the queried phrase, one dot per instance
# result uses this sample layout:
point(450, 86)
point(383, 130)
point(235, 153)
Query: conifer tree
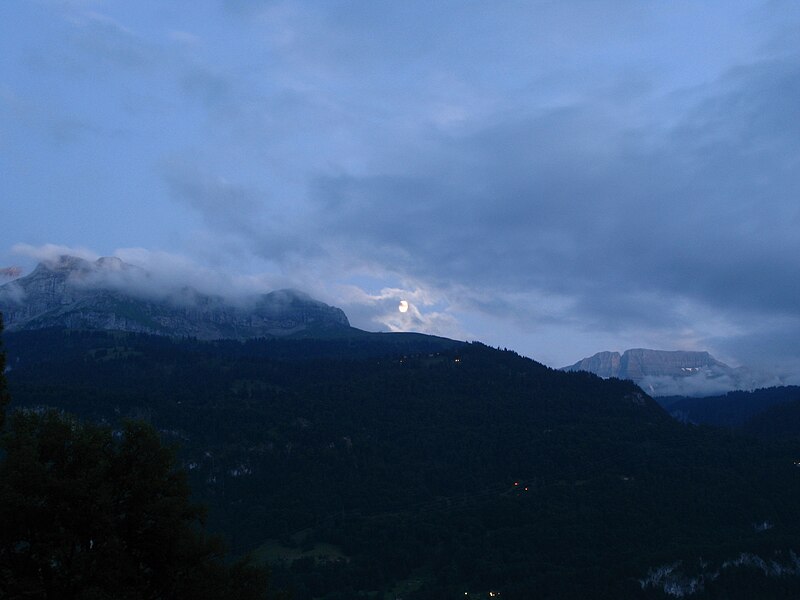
point(4, 398)
point(91, 513)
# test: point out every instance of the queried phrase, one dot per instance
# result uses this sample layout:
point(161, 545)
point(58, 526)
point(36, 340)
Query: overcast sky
point(556, 177)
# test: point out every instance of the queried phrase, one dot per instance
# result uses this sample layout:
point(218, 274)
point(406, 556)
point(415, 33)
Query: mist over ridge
point(68, 290)
point(676, 372)
point(108, 293)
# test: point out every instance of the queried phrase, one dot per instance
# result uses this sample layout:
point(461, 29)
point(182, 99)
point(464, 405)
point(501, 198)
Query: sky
point(554, 177)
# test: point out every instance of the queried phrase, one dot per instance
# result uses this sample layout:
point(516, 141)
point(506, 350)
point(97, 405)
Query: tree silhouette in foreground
point(88, 513)
point(4, 398)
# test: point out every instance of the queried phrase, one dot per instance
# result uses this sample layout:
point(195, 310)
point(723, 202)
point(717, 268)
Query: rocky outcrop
point(604, 364)
point(638, 363)
point(662, 372)
point(74, 293)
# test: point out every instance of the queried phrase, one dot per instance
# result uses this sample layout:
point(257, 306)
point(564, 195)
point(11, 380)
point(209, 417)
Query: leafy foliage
point(92, 513)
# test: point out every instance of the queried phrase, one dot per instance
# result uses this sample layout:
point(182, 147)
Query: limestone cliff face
point(638, 363)
point(662, 372)
point(604, 364)
point(109, 294)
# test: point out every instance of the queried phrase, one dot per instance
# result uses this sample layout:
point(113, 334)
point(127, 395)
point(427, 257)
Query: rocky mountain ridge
point(640, 362)
point(75, 293)
point(673, 372)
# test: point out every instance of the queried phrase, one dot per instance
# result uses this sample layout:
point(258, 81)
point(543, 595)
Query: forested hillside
point(94, 513)
point(381, 466)
point(781, 421)
point(733, 409)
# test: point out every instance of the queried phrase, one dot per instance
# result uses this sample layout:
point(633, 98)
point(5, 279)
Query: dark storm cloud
point(564, 175)
point(242, 211)
point(247, 7)
point(111, 42)
point(573, 202)
point(110, 45)
point(222, 204)
point(774, 344)
point(214, 90)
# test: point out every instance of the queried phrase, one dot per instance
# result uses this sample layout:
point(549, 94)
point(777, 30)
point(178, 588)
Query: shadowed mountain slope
point(110, 294)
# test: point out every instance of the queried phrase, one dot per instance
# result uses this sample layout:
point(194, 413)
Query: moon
point(403, 306)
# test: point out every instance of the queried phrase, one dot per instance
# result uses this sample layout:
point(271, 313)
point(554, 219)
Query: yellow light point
point(403, 306)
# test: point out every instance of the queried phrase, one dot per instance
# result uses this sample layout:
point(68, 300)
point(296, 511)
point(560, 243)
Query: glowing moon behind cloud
point(403, 306)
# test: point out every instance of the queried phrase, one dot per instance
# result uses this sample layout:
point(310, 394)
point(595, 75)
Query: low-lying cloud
point(154, 274)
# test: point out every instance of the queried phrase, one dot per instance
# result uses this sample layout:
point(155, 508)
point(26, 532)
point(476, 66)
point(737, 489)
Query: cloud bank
point(561, 178)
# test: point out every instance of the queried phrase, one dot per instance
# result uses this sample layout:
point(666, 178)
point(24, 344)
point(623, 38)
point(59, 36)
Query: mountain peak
point(638, 362)
point(65, 262)
point(108, 293)
point(663, 372)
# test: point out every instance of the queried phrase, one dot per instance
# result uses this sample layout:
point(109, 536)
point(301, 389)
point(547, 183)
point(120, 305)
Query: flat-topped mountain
point(74, 293)
point(640, 362)
point(662, 372)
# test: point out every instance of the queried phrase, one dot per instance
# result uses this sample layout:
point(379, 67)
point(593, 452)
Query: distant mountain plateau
point(679, 372)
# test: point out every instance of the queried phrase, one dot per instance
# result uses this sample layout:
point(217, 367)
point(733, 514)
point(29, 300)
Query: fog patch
point(705, 383)
point(12, 293)
point(150, 275)
point(50, 253)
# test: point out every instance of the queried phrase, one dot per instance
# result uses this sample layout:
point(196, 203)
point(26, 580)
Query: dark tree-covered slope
point(423, 467)
point(781, 421)
point(733, 409)
point(87, 513)
point(4, 397)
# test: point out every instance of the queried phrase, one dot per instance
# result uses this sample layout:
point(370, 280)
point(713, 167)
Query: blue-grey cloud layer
point(582, 171)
